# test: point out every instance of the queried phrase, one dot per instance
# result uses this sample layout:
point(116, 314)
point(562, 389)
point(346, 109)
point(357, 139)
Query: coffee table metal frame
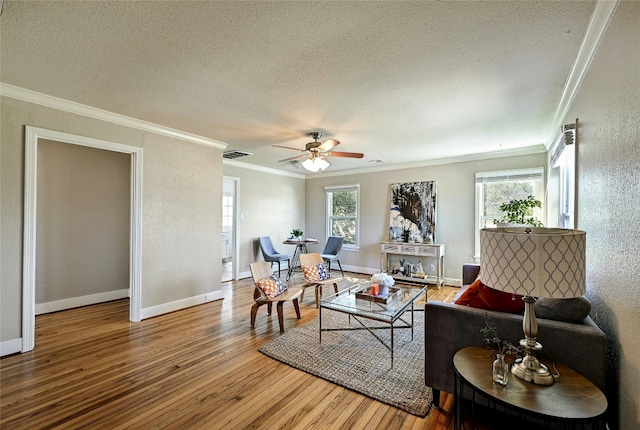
point(345, 301)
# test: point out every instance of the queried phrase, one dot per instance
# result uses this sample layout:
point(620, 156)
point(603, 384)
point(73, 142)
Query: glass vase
point(500, 370)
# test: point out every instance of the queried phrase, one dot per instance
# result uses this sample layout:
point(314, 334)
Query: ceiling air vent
point(234, 153)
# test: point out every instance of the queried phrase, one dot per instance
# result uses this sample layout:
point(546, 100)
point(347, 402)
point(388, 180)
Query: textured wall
point(608, 108)
point(181, 208)
point(182, 198)
point(455, 192)
point(272, 205)
point(82, 221)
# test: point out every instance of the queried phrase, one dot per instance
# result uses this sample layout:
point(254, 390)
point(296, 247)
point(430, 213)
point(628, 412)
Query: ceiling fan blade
point(346, 154)
point(289, 147)
point(294, 157)
point(327, 145)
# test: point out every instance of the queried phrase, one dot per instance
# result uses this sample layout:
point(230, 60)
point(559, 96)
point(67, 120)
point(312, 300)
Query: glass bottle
point(500, 370)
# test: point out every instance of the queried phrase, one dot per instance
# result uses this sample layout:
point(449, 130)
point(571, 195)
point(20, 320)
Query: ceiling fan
point(316, 153)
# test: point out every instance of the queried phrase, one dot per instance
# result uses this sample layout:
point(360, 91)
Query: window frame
point(481, 178)
point(566, 206)
point(329, 190)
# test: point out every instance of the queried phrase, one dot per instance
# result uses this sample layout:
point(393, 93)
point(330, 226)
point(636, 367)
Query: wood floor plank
point(195, 368)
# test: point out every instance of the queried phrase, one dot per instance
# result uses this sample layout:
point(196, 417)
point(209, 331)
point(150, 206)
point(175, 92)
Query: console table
point(573, 401)
point(413, 250)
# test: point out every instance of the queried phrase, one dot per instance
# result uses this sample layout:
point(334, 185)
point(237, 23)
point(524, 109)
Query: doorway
point(229, 228)
point(32, 138)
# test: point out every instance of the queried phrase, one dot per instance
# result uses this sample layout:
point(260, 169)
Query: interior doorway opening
point(33, 137)
point(229, 228)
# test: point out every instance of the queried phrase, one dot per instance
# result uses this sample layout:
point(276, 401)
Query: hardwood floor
point(195, 368)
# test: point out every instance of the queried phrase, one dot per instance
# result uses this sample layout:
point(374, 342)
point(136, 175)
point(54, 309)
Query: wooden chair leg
point(296, 306)
point(335, 287)
point(269, 307)
point(280, 317)
point(254, 312)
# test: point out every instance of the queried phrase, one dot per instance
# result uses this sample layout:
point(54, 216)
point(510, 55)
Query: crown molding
point(29, 96)
point(263, 169)
point(529, 150)
point(600, 19)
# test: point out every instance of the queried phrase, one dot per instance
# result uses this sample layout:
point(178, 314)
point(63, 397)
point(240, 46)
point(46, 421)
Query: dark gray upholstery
point(450, 327)
point(332, 251)
point(270, 254)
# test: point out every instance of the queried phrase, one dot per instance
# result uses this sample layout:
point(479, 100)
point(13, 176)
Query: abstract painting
point(412, 217)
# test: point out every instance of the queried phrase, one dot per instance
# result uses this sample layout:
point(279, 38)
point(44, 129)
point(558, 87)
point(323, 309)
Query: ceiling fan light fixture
point(315, 164)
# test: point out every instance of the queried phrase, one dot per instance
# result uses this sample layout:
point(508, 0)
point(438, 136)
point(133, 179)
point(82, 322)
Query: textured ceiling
point(399, 81)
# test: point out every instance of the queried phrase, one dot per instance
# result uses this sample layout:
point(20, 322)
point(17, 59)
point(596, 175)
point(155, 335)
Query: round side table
point(572, 402)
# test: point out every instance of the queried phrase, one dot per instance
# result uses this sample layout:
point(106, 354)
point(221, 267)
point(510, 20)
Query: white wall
point(82, 221)
point(455, 196)
point(271, 205)
point(181, 209)
point(608, 158)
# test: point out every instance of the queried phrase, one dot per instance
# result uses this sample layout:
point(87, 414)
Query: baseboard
point(9, 347)
point(76, 302)
point(177, 305)
point(454, 282)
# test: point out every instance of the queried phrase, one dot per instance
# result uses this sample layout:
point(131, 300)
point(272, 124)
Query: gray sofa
point(450, 327)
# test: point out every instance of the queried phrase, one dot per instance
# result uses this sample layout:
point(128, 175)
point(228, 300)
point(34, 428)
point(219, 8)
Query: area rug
point(356, 360)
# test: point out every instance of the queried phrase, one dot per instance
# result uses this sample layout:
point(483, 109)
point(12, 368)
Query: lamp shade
point(536, 262)
point(315, 164)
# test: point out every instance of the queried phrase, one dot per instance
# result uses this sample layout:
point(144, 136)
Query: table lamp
point(533, 262)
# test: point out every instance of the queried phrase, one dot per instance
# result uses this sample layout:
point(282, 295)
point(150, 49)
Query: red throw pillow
point(480, 296)
point(470, 293)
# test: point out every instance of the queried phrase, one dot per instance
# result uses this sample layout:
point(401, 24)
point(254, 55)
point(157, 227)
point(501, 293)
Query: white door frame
point(32, 135)
point(235, 231)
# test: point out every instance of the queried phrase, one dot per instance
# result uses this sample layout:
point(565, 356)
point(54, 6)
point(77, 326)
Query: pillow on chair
point(271, 286)
point(317, 272)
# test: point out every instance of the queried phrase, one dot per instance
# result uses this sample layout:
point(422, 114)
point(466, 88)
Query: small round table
point(301, 246)
point(572, 402)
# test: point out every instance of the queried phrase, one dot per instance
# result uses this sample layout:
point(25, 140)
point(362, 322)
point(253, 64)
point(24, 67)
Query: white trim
point(602, 14)
point(9, 347)
point(32, 135)
point(76, 302)
point(263, 169)
point(235, 231)
point(135, 238)
point(165, 308)
point(29, 240)
point(329, 190)
point(30, 96)
point(454, 282)
point(529, 150)
point(243, 275)
point(503, 175)
point(342, 187)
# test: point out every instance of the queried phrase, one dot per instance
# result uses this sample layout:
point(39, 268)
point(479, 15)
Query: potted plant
point(520, 212)
point(296, 233)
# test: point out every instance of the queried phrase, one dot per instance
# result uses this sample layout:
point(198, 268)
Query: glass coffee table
point(348, 301)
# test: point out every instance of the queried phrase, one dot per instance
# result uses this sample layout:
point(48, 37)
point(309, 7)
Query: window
point(566, 164)
point(495, 188)
point(227, 210)
point(343, 206)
